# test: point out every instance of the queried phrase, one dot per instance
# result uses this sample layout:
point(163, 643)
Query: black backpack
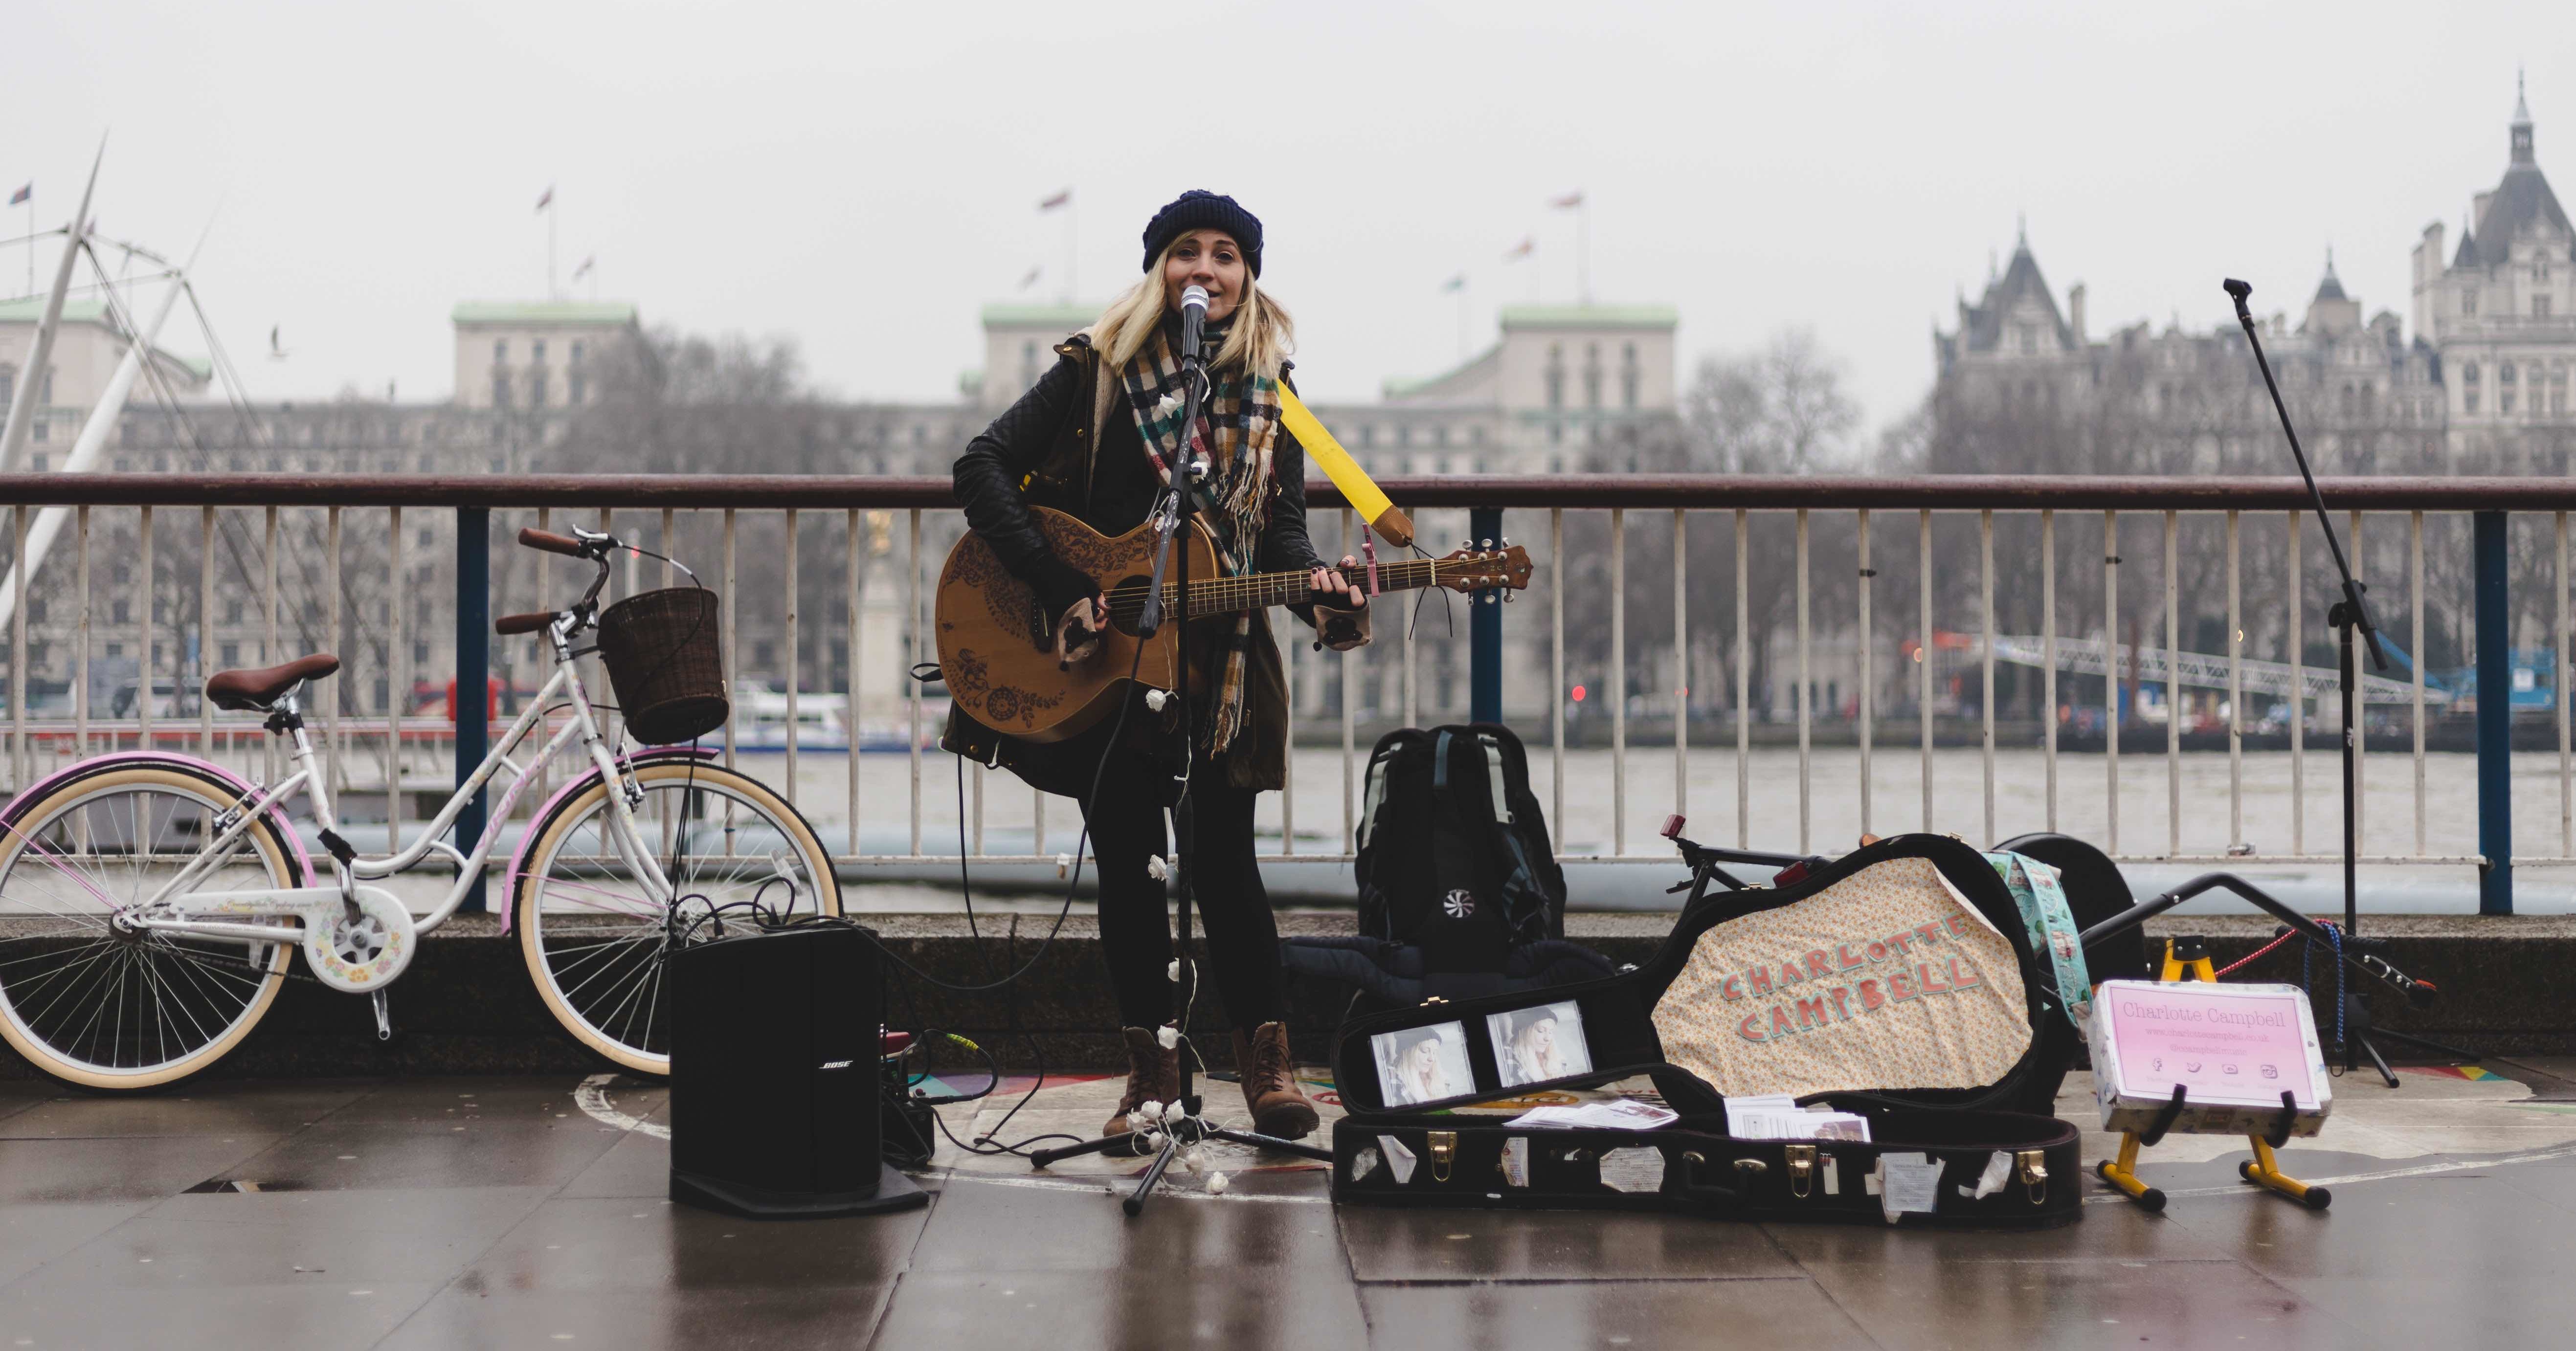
point(1454, 855)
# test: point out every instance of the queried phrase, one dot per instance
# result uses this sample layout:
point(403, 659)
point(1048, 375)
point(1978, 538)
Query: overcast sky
point(864, 176)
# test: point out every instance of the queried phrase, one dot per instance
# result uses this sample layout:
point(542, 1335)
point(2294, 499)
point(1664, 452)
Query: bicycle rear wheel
point(100, 1007)
point(595, 936)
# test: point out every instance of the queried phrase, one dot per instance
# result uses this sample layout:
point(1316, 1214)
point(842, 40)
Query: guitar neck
point(1224, 595)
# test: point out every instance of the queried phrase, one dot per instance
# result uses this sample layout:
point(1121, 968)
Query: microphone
point(2240, 290)
point(1194, 302)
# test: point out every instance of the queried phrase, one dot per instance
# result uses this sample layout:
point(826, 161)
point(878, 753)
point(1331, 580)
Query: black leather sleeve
point(987, 478)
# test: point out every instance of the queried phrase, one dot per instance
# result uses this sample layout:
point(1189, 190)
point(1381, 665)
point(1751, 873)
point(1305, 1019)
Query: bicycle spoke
point(95, 999)
point(601, 932)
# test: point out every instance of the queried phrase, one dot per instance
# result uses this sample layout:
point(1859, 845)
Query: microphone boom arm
point(2353, 591)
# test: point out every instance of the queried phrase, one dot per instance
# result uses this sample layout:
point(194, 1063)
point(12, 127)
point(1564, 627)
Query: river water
point(1830, 819)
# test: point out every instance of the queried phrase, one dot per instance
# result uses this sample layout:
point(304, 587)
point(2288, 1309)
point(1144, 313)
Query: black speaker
point(775, 1083)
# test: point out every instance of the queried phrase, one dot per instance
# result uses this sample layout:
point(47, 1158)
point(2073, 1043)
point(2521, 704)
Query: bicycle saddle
point(251, 691)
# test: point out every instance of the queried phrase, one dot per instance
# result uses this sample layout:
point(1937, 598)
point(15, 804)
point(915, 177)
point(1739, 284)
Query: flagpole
point(1583, 248)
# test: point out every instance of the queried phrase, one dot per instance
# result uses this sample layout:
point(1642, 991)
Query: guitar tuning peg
point(1507, 541)
point(1488, 544)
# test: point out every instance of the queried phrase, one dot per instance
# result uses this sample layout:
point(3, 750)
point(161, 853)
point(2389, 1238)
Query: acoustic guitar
point(997, 643)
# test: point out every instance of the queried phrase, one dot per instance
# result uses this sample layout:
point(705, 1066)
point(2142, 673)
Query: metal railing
point(1805, 564)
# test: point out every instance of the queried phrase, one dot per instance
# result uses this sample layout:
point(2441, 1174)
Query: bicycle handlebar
point(552, 543)
point(510, 625)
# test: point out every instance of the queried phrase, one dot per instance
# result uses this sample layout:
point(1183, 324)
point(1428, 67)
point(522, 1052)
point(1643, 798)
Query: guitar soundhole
point(1127, 603)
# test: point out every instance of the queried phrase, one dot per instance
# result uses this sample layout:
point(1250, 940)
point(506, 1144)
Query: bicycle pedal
point(384, 1015)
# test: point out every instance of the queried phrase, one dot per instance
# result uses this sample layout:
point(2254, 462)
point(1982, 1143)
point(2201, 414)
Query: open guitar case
point(1897, 983)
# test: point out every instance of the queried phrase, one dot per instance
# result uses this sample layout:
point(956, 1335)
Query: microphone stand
point(1180, 515)
point(2348, 616)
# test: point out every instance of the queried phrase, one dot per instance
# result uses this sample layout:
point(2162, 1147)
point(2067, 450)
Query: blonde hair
point(1259, 338)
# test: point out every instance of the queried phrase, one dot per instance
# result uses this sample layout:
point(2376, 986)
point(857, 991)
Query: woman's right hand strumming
point(1077, 633)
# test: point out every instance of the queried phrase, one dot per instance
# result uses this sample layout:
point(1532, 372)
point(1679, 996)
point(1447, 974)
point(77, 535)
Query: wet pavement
point(507, 1212)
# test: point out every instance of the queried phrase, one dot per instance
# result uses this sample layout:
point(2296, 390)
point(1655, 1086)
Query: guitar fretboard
point(1225, 594)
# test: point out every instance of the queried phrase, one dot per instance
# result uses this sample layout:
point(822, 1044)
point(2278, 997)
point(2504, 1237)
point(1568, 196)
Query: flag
point(547, 199)
point(1061, 198)
point(585, 266)
point(22, 194)
point(1574, 198)
point(1456, 283)
point(1520, 250)
point(1031, 279)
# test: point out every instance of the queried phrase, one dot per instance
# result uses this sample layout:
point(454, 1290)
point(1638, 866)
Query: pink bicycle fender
point(518, 857)
point(44, 787)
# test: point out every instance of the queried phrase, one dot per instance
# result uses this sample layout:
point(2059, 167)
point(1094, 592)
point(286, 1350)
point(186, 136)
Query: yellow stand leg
point(2123, 1174)
point(2264, 1170)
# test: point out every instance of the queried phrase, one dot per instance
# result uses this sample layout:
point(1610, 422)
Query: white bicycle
point(150, 903)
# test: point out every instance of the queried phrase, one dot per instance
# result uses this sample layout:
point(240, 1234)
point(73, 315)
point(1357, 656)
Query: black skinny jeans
point(1231, 908)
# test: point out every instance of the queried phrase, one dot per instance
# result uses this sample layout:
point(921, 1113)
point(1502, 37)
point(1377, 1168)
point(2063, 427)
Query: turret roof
point(1981, 325)
point(2520, 202)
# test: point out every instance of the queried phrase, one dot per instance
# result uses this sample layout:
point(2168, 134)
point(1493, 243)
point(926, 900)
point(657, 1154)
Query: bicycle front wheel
point(595, 935)
point(98, 1006)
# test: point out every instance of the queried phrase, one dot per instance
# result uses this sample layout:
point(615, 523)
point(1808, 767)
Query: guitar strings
point(1275, 588)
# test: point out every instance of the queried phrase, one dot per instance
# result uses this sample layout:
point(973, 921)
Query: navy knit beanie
point(1201, 210)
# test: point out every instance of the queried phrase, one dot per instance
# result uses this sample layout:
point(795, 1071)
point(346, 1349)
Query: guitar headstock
point(1468, 568)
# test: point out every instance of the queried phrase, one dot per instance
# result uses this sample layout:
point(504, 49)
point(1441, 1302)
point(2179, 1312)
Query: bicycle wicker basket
point(660, 648)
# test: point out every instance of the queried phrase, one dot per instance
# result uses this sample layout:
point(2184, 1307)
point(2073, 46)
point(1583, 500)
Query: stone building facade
point(88, 344)
point(2478, 386)
point(1559, 388)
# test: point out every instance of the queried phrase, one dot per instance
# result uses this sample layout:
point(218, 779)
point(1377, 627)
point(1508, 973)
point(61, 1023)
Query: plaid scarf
point(1237, 425)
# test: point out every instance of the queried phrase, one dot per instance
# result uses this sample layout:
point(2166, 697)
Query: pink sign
point(2226, 1045)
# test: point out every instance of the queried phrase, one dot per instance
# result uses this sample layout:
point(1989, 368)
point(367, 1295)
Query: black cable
point(1098, 775)
point(1082, 843)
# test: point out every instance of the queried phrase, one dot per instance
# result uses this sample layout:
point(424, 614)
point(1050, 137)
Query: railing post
point(1485, 627)
point(2495, 720)
point(473, 672)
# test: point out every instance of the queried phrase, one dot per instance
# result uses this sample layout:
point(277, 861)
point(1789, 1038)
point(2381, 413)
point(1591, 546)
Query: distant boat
point(823, 722)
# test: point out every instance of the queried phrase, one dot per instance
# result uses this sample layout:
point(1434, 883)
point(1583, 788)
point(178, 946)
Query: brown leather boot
point(1153, 1075)
point(1279, 1108)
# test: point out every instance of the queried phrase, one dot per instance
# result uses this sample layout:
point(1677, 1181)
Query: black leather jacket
point(1043, 451)
point(1042, 442)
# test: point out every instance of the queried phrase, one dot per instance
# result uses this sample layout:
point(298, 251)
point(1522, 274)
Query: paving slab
point(637, 1244)
point(1238, 1306)
point(118, 1168)
point(37, 1232)
point(987, 1226)
point(331, 1157)
point(219, 1108)
point(1644, 1316)
point(1933, 1303)
point(632, 1320)
point(396, 1241)
point(1554, 1245)
point(229, 1318)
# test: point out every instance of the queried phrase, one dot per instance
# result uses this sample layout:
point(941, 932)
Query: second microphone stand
point(2348, 617)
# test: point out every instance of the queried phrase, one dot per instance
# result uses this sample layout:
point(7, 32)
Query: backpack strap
point(1525, 902)
point(1374, 797)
